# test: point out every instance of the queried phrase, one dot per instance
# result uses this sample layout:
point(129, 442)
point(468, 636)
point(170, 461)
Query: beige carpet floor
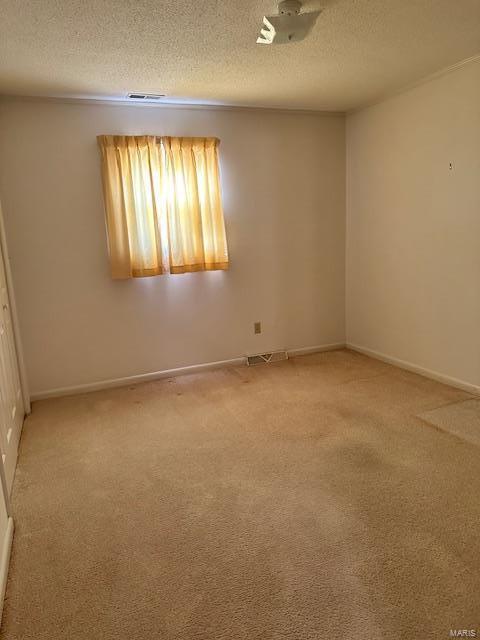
point(302, 500)
point(460, 418)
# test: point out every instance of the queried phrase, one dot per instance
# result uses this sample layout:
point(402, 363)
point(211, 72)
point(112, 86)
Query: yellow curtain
point(163, 205)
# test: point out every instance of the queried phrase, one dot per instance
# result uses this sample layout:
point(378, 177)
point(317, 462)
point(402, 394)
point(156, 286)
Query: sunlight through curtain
point(163, 205)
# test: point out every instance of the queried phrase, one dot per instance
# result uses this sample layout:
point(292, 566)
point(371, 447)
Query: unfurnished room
point(240, 319)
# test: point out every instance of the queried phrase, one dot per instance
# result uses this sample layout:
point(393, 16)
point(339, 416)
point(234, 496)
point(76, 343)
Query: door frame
point(13, 311)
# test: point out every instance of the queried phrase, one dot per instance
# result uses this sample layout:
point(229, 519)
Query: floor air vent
point(265, 358)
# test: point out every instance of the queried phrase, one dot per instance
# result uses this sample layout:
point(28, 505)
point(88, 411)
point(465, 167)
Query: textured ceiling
point(205, 51)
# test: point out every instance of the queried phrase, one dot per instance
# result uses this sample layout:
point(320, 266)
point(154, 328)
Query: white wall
point(283, 180)
point(413, 226)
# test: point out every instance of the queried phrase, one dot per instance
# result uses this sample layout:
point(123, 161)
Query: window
point(163, 205)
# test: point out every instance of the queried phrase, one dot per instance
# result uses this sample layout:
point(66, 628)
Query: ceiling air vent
point(145, 96)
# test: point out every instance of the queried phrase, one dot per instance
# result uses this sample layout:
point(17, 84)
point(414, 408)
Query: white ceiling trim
point(114, 102)
point(432, 76)
point(221, 107)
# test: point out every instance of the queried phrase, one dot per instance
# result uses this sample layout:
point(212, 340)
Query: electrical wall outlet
point(257, 327)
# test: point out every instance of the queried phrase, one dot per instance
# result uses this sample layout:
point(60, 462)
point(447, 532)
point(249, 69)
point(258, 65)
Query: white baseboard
point(305, 351)
point(5, 562)
point(409, 366)
point(208, 366)
point(143, 377)
point(168, 373)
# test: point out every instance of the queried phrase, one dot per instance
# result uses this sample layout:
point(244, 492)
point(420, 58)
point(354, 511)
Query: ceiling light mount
point(289, 7)
point(289, 25)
